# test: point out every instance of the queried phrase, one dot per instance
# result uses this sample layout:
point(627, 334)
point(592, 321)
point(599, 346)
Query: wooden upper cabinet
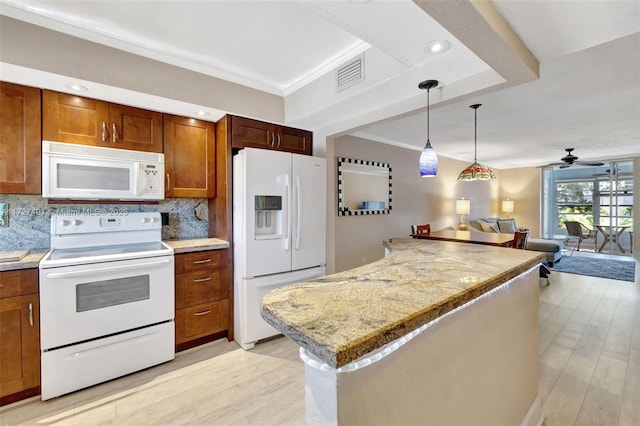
point(135, 128)
point(74, 119)
point(189, 155)
point(20, 140)
point(296, 140)
point(248, 133)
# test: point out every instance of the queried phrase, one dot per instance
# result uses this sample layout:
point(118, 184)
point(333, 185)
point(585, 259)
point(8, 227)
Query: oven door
point(83, 302)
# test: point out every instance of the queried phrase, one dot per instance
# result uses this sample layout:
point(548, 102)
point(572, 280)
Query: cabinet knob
point(278, 140)
point(31, 314)
point(105, 132)
point(114, 133)
point(201, 280)
point(197, 314)
point(168, 182)
point(202, 261)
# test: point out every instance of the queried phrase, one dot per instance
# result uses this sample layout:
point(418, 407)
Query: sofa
point(551, 248)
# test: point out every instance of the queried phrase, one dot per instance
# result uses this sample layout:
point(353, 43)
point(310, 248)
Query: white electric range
point(106, 300)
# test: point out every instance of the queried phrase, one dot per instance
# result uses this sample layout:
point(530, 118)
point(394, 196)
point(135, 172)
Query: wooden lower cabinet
point(19, 335)
point(203, 288)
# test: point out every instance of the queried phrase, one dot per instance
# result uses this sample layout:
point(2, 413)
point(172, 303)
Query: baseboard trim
point(534, 416)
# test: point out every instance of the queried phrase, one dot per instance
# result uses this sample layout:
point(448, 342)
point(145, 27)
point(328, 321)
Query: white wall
point(41, 49)
point(522, 185)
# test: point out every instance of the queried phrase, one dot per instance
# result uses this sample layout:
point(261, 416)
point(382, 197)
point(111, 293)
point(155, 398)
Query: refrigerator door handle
point(298, 211)
point(287, 208)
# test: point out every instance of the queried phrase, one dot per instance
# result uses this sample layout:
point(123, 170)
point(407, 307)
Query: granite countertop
point(197, 244)
point(342, 317)
point(31, 260)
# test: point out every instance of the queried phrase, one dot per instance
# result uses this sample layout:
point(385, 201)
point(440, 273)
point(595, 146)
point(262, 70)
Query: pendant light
point(476, 171)
point(428, 157)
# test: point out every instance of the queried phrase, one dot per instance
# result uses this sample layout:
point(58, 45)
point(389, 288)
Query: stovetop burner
point(87, 239)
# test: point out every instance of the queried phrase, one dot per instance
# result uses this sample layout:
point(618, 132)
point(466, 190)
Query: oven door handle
point(54, 275)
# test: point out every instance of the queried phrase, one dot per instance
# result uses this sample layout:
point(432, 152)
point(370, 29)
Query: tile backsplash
point(29, 218)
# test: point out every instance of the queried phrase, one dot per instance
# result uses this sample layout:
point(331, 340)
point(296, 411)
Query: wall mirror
point(364, 187)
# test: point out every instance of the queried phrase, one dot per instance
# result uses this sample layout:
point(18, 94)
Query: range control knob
point(146, 220)
point(76, 222)
point(65, 222)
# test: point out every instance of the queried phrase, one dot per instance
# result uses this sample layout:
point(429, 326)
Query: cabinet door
point(19, 345)
point(294, 140)
point(247, 133)
point(73, 119)
point(189, 155)
point(20, 141)
point(134, 128)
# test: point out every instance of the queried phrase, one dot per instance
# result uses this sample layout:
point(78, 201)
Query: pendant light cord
point(428, 114)
point(475, 135)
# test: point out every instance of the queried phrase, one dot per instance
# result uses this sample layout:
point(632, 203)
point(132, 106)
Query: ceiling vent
point(350, 74)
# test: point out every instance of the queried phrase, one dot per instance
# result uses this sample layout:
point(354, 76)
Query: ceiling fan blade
point(589, 163)
point(565, 165)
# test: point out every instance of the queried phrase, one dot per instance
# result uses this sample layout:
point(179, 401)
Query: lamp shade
point(463, 206)
point(507, 206)
point(476, 172)
point(428, 161)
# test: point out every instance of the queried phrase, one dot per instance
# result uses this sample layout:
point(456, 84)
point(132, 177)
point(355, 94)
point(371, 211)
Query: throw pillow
point(507, 226)
point(489, 227)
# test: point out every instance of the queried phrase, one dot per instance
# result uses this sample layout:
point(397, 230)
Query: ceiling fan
point(571, 160)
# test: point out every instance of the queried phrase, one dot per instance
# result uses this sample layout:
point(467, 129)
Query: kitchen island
point(435, 333)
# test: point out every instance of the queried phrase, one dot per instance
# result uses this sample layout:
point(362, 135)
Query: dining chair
point(421, 229)
point(520, 239)
point(581, 232)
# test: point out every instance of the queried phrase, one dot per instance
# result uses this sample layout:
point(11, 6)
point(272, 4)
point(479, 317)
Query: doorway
point(600, 198)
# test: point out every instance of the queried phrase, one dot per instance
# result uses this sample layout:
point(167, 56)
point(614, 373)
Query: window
point(575, 202)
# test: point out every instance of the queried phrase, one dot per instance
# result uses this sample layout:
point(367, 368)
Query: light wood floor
point(589, 373)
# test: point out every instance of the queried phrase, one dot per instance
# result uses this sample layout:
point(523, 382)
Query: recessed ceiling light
point(202, 113)
point(436, 47)
point(77, 87)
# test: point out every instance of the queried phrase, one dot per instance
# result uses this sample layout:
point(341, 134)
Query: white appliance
point(82, 172)
point(106, 300)
point(279, 231)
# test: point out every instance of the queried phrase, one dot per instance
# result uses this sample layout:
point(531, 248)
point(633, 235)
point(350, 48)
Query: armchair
point(581, 232)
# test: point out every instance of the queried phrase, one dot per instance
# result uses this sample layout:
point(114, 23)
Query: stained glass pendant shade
point(428, 157)
point(476, 171)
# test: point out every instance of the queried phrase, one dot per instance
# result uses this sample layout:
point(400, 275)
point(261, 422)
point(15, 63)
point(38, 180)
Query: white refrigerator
point(279, 231)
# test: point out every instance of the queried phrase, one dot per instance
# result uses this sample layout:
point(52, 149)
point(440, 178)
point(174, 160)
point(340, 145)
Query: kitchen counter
point(31, 260)
point(433, 327)
point(342, 317)
point(197, 244)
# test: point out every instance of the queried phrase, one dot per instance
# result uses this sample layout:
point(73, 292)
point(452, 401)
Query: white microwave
point(81, 172)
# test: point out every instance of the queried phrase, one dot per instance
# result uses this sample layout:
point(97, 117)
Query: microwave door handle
point(137, 184)
point(298, 211)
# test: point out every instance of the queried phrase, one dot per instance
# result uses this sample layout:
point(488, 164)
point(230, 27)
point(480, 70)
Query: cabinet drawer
point(201, 320)
point(193, 288)
point(16, 283)
point(201, 260)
